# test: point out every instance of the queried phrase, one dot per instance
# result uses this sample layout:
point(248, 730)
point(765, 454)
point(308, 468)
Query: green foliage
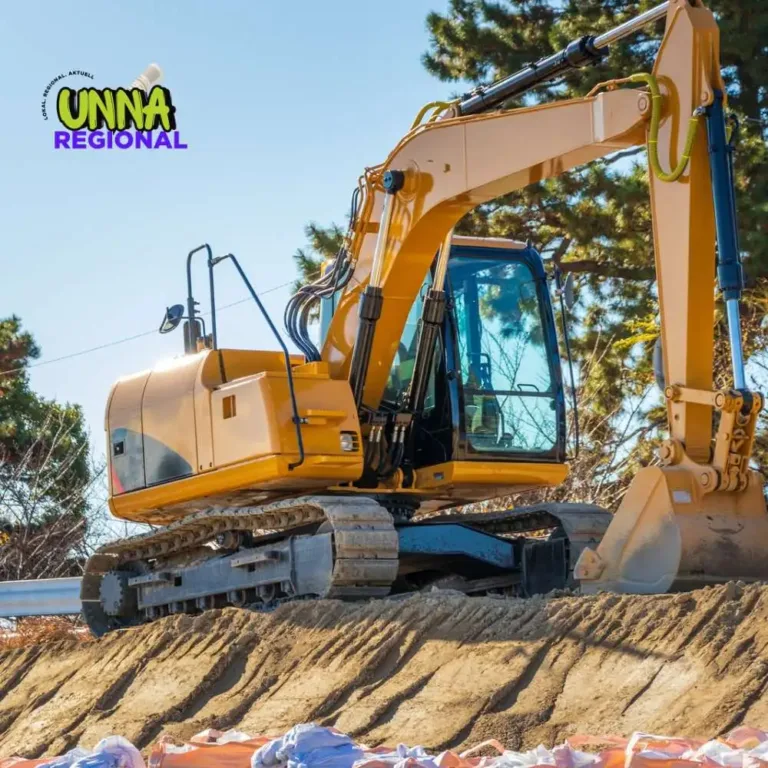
point(323, 244)
point(39, 438)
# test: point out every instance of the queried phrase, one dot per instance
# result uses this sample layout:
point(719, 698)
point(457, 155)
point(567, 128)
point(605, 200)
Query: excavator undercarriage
point(331, 547)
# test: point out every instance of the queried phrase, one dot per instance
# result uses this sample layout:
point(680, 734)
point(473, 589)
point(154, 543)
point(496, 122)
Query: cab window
point(509, 399)
point(401, 372)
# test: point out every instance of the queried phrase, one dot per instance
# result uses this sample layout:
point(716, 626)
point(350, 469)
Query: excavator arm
point(452, 165)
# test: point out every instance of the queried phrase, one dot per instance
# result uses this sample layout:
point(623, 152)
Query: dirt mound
point(437, 670)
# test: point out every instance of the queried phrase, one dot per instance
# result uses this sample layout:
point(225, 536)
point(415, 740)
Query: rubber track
point(342, 513)
point(365, 540)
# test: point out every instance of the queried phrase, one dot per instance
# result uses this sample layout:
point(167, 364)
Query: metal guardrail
point(40, 597)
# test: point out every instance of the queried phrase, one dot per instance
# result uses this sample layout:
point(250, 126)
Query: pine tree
point(51, 431)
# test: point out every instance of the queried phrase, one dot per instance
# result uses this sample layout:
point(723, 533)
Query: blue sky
point(281, 104)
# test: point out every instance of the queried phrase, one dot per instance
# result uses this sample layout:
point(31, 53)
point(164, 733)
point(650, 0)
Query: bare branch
point(606, 269)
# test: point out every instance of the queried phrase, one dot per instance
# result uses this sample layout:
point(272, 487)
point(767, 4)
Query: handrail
point(296, 418)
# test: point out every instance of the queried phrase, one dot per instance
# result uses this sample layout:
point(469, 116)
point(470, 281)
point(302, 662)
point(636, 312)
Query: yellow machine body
point(179, 433)
point(182, 439)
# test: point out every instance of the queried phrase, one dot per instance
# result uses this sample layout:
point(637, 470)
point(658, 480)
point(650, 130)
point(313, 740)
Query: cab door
point(504, 356)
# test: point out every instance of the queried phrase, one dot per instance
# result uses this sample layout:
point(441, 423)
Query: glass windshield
point(401, 373)
point(509, 403)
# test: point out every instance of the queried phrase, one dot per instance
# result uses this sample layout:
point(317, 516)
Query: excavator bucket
point(668, 534)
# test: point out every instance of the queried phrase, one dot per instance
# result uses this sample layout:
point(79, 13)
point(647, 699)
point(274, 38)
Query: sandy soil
point(438, 670)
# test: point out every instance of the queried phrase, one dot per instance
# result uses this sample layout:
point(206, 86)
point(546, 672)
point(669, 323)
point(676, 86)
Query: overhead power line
point(116, 342)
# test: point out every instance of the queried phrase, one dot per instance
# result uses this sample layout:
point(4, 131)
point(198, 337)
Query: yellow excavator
point(269, 476)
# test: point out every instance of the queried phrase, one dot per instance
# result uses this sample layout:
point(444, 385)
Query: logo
point(139, 117)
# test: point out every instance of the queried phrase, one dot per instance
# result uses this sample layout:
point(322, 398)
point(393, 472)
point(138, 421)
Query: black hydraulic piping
point(369, 313)
point(431, 325)
point(577, 54)
point(372, 299)
point(586, 50)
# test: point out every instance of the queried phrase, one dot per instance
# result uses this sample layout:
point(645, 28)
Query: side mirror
point(173, 316)
point(569, 297)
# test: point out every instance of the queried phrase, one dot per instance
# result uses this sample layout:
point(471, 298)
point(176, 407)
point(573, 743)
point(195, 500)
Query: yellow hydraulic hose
point(653, 132)
point(437, 106)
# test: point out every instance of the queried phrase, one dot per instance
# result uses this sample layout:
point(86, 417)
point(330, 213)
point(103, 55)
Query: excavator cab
point(242, 426)
point(494, 389)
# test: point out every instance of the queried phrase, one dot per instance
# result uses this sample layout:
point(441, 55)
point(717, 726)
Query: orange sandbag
point(21, 762)
point(232, 754)
point(745, 737)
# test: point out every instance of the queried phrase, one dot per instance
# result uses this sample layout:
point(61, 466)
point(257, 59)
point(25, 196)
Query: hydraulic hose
point(653, 133)
point(436, 106)
point(655, 125)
